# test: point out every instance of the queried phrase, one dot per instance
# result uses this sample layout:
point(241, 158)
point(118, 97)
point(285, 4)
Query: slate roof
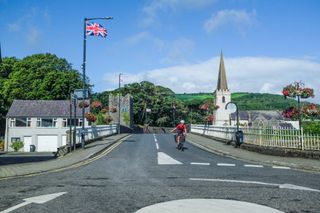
point(42, 108)
point(254, 114)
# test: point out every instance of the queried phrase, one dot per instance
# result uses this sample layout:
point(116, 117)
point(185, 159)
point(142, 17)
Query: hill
point(245, 100)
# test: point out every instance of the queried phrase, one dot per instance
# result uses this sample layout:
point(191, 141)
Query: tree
point(40, 76)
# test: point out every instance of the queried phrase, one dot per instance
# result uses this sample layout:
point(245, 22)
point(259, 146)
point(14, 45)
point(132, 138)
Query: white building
point(42, 123)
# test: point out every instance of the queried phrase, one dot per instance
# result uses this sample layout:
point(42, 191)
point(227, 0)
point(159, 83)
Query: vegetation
point(1, 145)
point(17, 145)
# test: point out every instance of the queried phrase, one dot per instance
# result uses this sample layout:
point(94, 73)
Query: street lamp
point(84, 69)
point(237, 112)
point(119, 102)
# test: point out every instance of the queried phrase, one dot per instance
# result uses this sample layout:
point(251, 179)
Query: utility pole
point(119, 104)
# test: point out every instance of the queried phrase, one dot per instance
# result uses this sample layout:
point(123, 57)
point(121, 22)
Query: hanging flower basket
point(113, 109)
point(83, 104)
point(108, 119)
point(311, 110)
point(96, 105)
point(290, 112)
point(91, 117)
point(104, 110)
point(297, 89)
point(210, 118)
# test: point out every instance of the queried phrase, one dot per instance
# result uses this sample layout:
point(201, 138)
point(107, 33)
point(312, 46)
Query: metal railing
point(264, 136)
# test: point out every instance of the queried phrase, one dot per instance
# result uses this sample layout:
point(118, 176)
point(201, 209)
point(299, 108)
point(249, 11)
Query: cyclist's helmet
point(182, 121)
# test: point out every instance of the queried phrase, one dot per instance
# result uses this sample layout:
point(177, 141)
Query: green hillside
point(245, 101)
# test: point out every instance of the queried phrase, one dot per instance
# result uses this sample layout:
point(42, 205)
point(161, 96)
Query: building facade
point(42, 123)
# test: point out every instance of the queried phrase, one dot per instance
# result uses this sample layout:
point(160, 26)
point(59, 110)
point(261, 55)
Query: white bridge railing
point(264, 136)
point(93, 132)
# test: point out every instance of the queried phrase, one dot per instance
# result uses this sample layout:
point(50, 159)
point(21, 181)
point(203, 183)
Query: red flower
point(285, 92)
point(210, 118)
point(96, 104)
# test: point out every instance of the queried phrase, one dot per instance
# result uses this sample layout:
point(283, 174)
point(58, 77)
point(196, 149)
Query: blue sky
point(267, 44)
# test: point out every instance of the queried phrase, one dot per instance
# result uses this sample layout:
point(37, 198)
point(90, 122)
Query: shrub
point(1, 145)
point(16, 145)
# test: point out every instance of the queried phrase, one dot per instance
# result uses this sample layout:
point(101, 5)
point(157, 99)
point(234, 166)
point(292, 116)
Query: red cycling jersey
point(181, 127)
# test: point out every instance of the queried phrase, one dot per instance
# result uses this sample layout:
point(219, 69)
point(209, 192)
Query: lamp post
point(119, 103)
point(84, 69)
point(237, 112)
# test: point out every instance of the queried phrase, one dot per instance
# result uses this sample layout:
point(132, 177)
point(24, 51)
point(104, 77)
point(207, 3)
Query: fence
point(95, 132)
point(264, 136)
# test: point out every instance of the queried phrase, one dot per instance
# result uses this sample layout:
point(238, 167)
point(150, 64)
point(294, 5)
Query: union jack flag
point(95, 29)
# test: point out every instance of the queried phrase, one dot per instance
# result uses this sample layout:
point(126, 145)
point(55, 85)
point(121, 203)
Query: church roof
point(222, 78)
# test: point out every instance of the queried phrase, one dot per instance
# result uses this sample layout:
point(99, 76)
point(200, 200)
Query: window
point(64, 122)
point(15, 139)
point(223, 99)
point(12, 122)
point(28, 122)
point(38, 122)
point(80, 122)
point(77, 122)
point(46, 122)
point(21, 122)
point(55, 122)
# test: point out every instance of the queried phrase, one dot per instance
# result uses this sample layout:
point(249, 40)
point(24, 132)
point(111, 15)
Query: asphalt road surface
point(146, 173)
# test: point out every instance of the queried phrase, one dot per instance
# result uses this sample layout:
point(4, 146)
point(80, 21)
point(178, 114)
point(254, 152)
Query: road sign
point(79, 93)
point(148, 110)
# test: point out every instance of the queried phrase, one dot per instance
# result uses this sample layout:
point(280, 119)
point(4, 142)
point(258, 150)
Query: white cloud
point(237, 18)
point(245, 74)
point(179, 51)
point(152, 9)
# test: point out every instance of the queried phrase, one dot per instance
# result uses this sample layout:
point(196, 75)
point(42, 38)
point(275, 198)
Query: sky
point(267, 44)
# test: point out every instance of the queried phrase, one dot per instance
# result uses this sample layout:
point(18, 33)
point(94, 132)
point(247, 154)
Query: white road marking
point(253, 166)
point(164, 159)
point(281, 186)
point(155, 140)
point(39, 200)
point(207, 206)
point(226, 164)
point(281, 167)
point(157, 146)
point(204, 164)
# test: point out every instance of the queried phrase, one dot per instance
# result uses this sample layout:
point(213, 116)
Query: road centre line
point(280, 167)
point(253, 166)
point(226, 164)
point(204, 164)
point(157, 145)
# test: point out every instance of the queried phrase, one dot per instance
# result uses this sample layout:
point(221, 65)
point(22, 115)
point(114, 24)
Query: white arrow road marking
point(157, 145)
point(207, 206)
point(164, 159)
point(203, 164)
point(226, 164)
point(281, 186)
point(39, 200)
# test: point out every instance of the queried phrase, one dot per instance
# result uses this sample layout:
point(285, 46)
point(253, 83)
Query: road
point(145, 170)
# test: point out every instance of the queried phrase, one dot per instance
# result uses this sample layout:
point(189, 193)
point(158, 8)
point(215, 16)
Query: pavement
point(221, 148)
point(28, 164)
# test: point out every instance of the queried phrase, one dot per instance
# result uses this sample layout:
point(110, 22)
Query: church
point(256, 118)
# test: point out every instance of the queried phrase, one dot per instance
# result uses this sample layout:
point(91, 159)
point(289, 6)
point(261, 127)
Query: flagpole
point(84, 72)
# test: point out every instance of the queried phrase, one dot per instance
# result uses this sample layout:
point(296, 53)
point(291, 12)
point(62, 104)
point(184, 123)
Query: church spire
point(222, 78)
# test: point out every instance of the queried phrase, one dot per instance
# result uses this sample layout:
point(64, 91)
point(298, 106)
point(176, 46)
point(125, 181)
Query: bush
point(17, 145)
point(311, 127)
point(1, 145)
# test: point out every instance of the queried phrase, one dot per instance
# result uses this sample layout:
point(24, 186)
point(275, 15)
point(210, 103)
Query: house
point(42, 123)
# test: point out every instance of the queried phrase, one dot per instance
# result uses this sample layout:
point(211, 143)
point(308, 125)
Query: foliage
point(16, 145)
point(1, 145)
point(291, 112)
point(311, 127)
point(84, 104)
point(91, 117)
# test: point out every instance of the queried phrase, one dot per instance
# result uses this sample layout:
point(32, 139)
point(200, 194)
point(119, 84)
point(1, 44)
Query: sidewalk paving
point(80, 155)
point(222, 148)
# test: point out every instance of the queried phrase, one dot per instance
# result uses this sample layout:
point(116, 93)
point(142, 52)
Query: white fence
point(264, 136)
point(95, 132)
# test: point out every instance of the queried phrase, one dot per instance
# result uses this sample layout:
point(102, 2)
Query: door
point(47, 143)
point(27, 141)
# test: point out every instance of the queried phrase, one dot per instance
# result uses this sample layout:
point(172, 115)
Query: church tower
point(223, 96)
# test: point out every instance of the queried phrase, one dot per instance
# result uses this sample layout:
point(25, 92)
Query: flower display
point(96, 105)
point(311, 110)
point(83, 104)
point(290, 112)
point(113, 109)
point(204, 106)
point(104, 110)
point(210, 118)
point(108, 119)
point(91, 117)
point(297, 89)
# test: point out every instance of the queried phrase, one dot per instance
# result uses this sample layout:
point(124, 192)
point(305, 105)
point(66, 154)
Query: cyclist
point(182, 132)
